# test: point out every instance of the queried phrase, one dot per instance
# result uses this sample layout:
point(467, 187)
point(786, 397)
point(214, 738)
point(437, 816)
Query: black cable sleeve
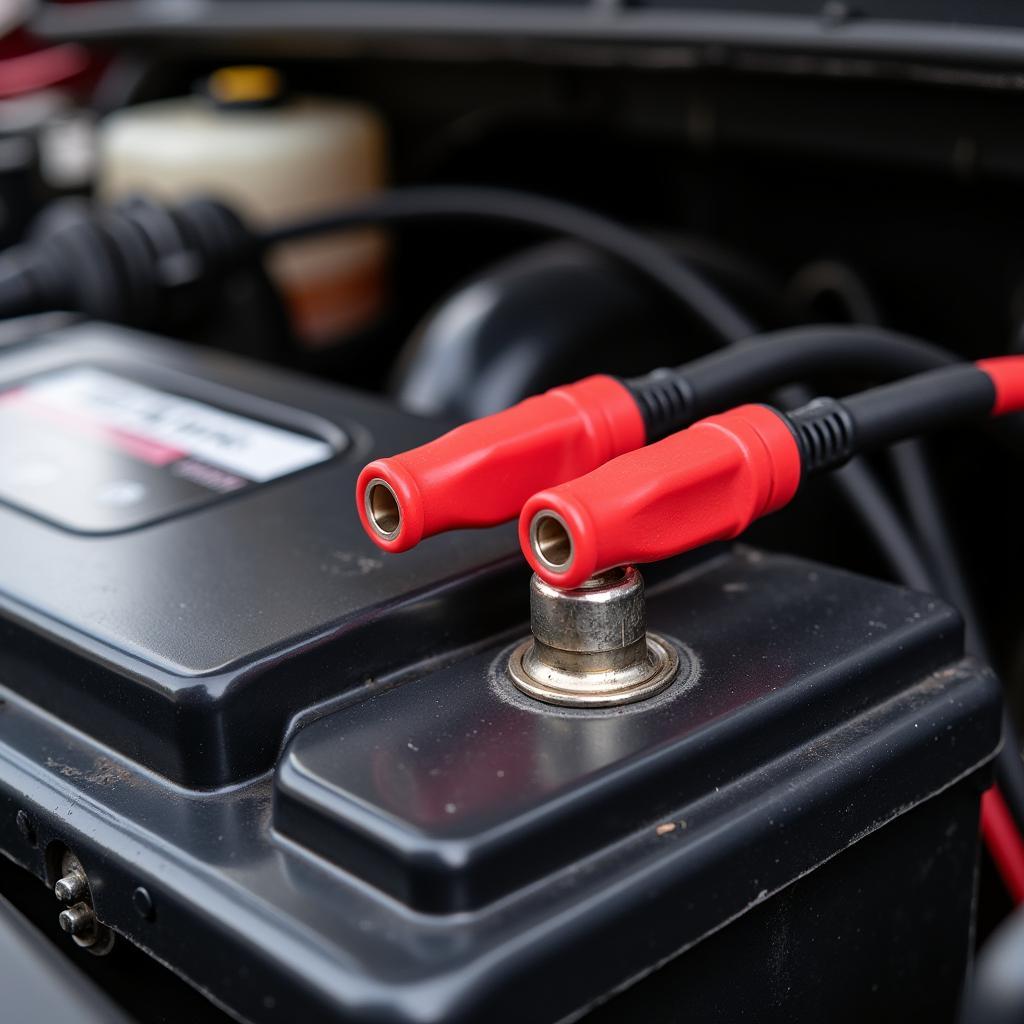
point(670, 399)
point(522, 209)
point(920, 404)
point(860, 487)
point(718, 380)
point(667, 402)
point(916, 483)
point(825, 434)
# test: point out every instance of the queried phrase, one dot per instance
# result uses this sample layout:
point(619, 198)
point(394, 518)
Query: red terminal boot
point(706, 483)
point(480, 474)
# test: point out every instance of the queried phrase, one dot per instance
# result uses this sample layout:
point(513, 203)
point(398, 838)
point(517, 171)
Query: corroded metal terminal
point(590, 646)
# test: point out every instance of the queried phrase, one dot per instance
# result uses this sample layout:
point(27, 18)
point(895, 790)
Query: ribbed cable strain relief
point(224, 237)
point(665, 400)
point(139, 262)
point(825, 433)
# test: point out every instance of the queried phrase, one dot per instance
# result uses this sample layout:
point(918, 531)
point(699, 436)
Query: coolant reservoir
point(276, 158)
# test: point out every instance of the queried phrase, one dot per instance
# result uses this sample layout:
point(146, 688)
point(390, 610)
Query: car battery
point(298, 772)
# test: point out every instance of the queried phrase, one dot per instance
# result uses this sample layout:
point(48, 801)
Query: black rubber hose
point(554, 310)
point(928, 522)
point(873, 506)
point(919, 405)
point(829, 432)
point(671, 399)
point(522, 209)
point(139, 262)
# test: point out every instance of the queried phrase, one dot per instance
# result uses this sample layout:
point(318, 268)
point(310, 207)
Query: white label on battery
point(254, 450)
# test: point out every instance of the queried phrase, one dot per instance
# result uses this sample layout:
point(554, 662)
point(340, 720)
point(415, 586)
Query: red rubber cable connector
point(706, 483)
point(481, 473)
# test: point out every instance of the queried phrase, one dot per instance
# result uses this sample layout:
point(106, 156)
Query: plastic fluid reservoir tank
point(276, 157)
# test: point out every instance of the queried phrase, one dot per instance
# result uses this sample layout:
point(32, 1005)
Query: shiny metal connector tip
point(551, 541)
point(383, 511)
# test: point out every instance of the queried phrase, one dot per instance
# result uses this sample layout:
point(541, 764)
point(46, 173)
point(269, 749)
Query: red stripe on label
point(141, 448)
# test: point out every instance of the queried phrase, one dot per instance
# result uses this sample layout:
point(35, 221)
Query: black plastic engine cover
point(311, 758)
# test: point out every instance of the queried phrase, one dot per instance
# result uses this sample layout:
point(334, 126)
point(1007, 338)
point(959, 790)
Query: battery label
point(96, 452)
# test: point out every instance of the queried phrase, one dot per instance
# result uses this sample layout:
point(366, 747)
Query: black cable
point(858, 484)
point(802, 353)
point(671, 399)
point(909, 459)
point(522, 209)
point(919, 405)
point(861, 488)
point(830, 432)
point(915, 480)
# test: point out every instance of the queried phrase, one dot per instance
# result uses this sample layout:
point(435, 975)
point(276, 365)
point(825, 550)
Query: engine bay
point(508, 512)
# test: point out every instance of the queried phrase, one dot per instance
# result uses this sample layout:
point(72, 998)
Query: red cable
point(1004, 842)
point(999, 830)
point(29, 72)
point(1007, 373)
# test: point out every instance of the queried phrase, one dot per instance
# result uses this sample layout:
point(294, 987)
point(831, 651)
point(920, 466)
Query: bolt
point(77, 920)
point(71, 887)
